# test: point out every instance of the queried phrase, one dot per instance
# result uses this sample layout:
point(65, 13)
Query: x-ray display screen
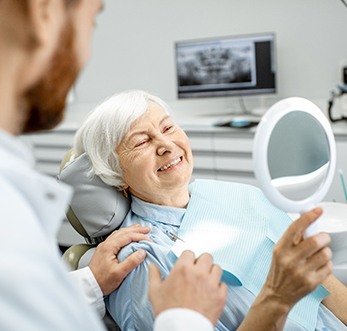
point(226, 66)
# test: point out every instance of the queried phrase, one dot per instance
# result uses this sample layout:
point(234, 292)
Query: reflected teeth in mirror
point(173, 163)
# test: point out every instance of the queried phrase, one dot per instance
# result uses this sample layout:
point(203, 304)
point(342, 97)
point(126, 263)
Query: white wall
point(134, 45)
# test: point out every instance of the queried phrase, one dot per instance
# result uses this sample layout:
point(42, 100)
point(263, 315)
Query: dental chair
point(95, 211)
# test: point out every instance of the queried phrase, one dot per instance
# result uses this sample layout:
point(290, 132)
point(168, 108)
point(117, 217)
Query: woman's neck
point(178, 199)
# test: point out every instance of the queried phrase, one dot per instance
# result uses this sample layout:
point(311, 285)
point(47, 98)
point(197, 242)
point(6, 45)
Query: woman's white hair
point(104, 129)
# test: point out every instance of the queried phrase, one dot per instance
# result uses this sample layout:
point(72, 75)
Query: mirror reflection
point(298, 155)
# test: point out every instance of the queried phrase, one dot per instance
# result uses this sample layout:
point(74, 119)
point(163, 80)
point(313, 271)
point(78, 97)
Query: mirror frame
point(260, 153)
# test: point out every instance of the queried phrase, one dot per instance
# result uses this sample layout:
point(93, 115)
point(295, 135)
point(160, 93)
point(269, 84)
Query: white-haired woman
point(135, 145)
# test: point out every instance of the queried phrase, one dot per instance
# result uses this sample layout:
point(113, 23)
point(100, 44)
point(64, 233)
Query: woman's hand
point(299, 264)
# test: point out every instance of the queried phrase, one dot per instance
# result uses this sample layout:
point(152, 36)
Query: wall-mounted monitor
point(226, 66)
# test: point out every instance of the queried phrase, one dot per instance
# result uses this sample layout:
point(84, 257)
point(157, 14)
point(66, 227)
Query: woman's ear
point(125, 191)
point(47, 18)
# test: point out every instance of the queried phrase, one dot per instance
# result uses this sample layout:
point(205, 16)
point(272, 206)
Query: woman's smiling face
point(156, 158)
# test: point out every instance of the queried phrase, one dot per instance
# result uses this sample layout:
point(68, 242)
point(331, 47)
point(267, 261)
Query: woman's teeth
point(173, 163)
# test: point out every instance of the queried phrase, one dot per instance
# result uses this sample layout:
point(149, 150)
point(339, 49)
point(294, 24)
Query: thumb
point(295, 232)
point(154, 278)
point(131, 262)
point(308, 218)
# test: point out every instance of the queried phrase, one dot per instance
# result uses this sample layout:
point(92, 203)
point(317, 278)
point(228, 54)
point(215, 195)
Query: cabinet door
point(49, 149)
point(233, 156)
point(223, 154)
point(202, 148)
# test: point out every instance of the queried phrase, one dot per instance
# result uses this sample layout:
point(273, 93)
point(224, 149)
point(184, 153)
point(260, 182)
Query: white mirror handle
point(312, 230)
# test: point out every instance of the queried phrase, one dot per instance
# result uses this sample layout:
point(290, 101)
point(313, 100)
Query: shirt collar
point(157, 213)
point(16, 147)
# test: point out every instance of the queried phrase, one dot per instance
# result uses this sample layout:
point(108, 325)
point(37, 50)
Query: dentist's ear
point(47, 18)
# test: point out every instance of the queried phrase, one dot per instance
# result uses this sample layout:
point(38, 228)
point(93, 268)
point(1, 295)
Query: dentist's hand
point(108, 272)
point(299, 265)
point(192, 283)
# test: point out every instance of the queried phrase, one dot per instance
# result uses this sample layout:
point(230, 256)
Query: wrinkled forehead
point(153, 112)
point(153, 115)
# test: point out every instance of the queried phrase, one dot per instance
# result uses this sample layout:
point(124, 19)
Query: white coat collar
point(47, 198)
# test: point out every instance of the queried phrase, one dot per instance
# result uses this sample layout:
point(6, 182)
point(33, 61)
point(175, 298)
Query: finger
point(224, 291)
point(117, 243)
point(187, 257)
point(131, 262)
point(155, 279)
point(296, 230)
point(216, 272)
point(131, 236)
point(139, 228)
point(205, 261)
point(312, 245)
point(319, 276)
point(132, 228)
point(325, 271)
point(320, 259)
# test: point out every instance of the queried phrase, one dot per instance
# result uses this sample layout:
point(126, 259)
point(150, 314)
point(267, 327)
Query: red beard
point(45, 102)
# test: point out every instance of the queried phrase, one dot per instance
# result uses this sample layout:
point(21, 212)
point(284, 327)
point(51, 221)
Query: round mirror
point(294, 155)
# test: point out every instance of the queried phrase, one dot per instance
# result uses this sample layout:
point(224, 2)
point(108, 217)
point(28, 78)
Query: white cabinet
point(226, 154)
point(219, 153)
point(50, 147)
point(222, 153)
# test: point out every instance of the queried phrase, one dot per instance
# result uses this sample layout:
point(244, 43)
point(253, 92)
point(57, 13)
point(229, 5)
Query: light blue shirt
point(36, 291)
point(132, 296)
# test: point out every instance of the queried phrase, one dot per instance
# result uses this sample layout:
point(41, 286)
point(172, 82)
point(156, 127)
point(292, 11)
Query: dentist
point(44, 45)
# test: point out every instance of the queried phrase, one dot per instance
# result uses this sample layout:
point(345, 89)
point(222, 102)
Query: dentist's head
point(44, 45)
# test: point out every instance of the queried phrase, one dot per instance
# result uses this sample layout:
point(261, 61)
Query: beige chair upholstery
point(74, 254)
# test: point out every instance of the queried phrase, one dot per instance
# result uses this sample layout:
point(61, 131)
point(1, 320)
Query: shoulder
point(30, 265)
point(14, 207)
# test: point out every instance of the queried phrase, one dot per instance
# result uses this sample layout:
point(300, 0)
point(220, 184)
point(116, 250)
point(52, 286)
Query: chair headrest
point(99, 207)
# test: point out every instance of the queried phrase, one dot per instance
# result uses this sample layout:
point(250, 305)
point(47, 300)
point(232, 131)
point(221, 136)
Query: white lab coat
point(36, 291)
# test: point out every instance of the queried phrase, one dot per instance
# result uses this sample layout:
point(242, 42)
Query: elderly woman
point(135, 145)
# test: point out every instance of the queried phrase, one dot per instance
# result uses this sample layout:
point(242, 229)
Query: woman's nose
point(164, 146)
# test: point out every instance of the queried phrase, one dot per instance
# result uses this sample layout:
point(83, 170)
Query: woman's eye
point(140, 143)
point(168, 128)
